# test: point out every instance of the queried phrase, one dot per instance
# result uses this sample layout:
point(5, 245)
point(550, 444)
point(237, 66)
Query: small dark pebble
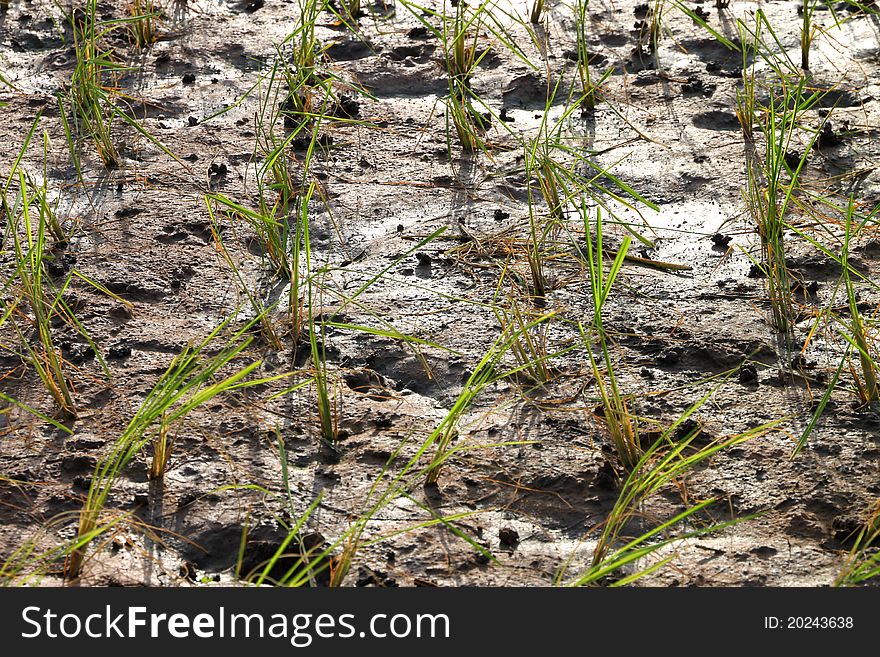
point(423, 258)
point(793, 159)
point(82, 482)
point(347, 107)
point(827, 137)
point(119, 352)
point(669, 357)
point(606, 477)
point(721, 241)
point(189, 78)
point(748, 374)
point(418, 32)
point(755, 271)
point(188, 570)
point(509, 537)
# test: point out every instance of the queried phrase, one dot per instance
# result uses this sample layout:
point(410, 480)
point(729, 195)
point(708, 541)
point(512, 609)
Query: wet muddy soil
point(536, 476)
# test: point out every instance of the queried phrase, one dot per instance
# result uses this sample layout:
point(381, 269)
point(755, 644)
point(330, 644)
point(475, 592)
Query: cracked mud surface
point(668, 128)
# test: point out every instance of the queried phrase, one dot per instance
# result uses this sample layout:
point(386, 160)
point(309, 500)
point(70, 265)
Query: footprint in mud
point(419, 53)
point(217, 549)
point(75, 465)
point(405, 372)
point(614, 39)
point(368, 383)
point(173, 234)
point(713, 52)
point(716, 120)
point(525, 91)
point(696, 86)
point(836, 96)
point(15, 498)
point(350, 49)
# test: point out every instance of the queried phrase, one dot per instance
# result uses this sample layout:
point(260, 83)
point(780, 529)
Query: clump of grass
point(858, 335)
point(189, 382)
point(745, 97)
point(538, 165)
point(589, 86)
point(863, 561)
point(667, 460)
point(143, 17)
point(621, 424)
point(461, 33)
point(93, 82)
point(530, 348)
point(772, 182)
point(463, 118)
point(808, 31)
point(29, 235)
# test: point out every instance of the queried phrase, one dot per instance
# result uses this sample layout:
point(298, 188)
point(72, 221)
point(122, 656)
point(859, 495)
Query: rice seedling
point(745, 97)
point(772, 181)
point(258, 307)
point(541, 167)
point(31, 561)
point(338, 557)
point(190, 381)
point(530, 349)
point(483, 375)
point(461, 34)
point(326, 415)
point(668, 459)
point(589, 86)
point(30, 251)
point(272, 234)
point(808, 31)
point(301, 74)
point(621, 424)
point(858, 332)
point(463, 119)
point(47, 211)
point(93, 83)
point(863, 562)
point(537, 12)
point(143, 17)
